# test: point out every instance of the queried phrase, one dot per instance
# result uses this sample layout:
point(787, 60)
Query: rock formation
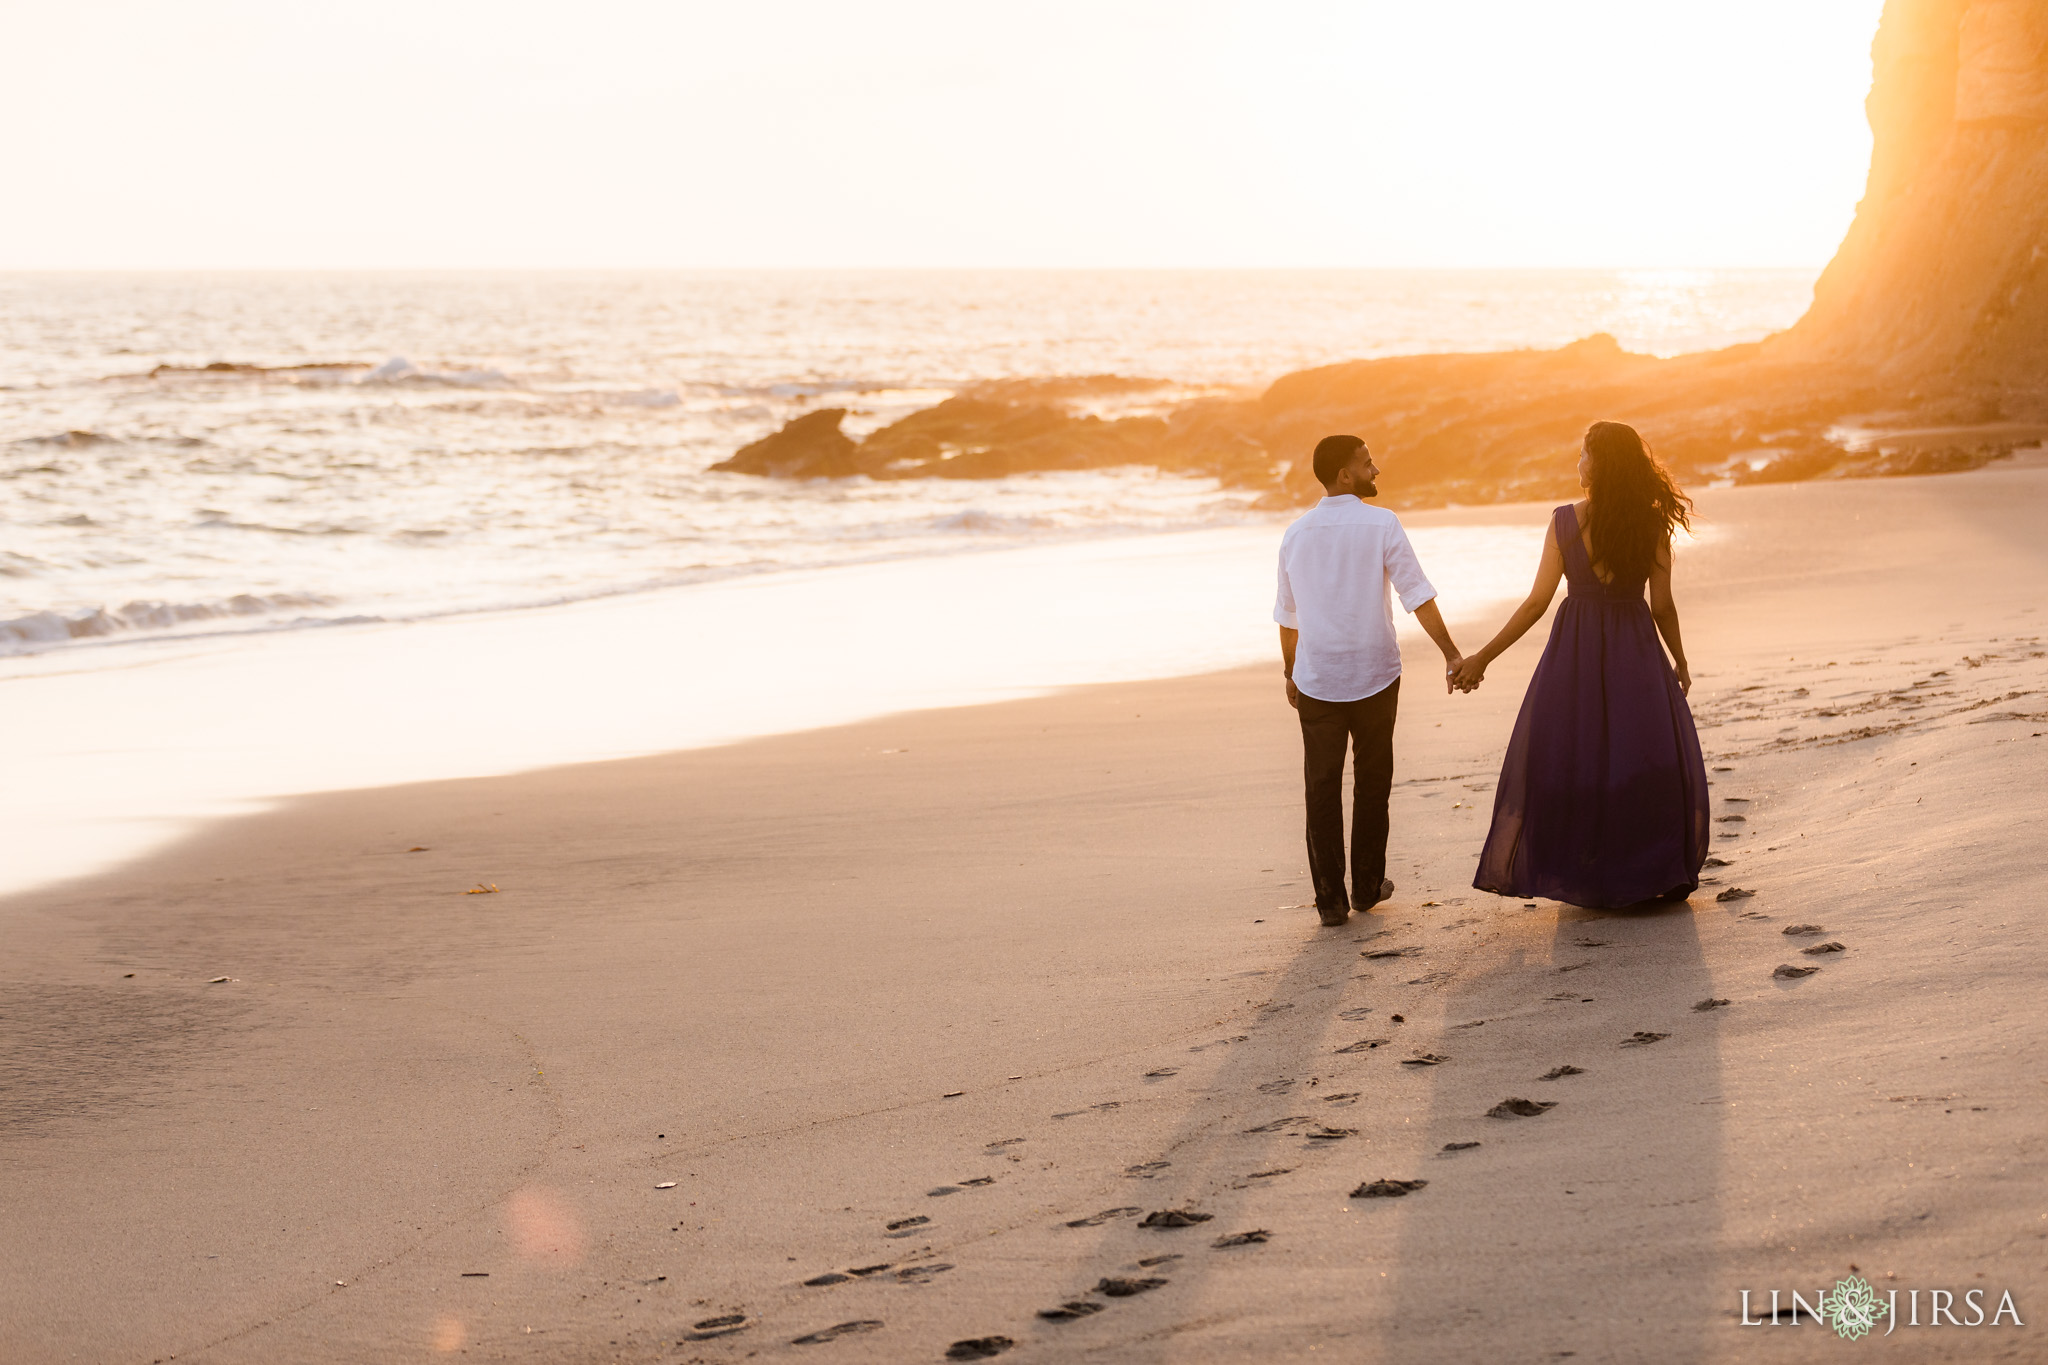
point(1942, 282)
point(810, 447)
point(1933, 314)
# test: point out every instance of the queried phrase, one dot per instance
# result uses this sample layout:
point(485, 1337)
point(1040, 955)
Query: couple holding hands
point(1602, 797)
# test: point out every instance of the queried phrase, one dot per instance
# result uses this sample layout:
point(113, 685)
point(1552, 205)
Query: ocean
point(238, 454)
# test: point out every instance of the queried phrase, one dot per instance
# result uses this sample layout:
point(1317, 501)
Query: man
point(1343, 667)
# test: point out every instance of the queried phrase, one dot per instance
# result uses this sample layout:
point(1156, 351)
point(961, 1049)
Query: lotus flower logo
point(1851, 1307)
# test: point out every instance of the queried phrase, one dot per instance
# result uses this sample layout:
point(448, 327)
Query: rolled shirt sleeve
point(1404, 571)
point(1283, 605)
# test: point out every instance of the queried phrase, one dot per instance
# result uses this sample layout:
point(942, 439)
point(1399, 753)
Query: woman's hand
point(1684, 679)
point(1469, 674)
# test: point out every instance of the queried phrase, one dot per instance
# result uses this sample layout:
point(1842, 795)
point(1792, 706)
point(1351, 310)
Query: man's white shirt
point(1337, 564)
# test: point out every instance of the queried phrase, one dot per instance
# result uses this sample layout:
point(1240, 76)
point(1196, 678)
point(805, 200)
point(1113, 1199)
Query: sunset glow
point(240, 134)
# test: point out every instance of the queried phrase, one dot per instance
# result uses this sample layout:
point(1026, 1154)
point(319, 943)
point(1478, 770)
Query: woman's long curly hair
point(1635, 503)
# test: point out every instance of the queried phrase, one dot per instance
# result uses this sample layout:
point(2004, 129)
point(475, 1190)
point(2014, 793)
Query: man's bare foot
point(1332, 918)
point(1386, 893)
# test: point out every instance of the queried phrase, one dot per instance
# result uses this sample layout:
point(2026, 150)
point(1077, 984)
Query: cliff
point(1928, 332)
point(1942, 282)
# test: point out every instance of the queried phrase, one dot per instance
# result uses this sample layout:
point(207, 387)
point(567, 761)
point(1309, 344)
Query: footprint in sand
point(1712, 1002)
point(1173, 1218)
point(1162, 1073)
point(1098, 1219)
point(1387, 1189)
point(1735, 893)
point(941, 1191)
point(1641, 1039)
point(1267, 1175)
point(1348, 1097)
point(1802, 929)
point(1168, 1259)
point(1325, 1134)
point(1124, 1288)
point(1459, 1146)
point(1277, 1125)
point(1409, 951)
point(1068, 1312)
point(1354, 1015)
point(918, 1274)
point(1146, 1170)
point(1718, 862)
point(1362, 1045)
point(1426, 1059)
point(978, 1348)
point(1518, 1108)
point(1594, 942)
point(844, 1329)
point(1243, 1239)
point(829, 1277)
point(1558, 1072)
point(980, 1180)
point(1829, 947)
point(1787, 972)
point(1276, 1087)
point(903, 1227)
point(717, 1327)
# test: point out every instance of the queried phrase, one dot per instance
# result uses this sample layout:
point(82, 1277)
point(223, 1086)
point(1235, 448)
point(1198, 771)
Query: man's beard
point(1369, 489)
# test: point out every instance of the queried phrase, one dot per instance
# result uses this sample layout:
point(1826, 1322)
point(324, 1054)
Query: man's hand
point(1469, 674)
point(1293, 695)
point(1452, 663)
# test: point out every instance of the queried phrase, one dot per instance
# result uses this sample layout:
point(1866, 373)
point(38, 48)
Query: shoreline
point(111, 761)
point(760, 971)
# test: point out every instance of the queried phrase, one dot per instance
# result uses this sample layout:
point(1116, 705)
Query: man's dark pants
point(1368, 726)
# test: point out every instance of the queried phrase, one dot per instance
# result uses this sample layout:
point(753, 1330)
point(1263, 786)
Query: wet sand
point(414, 1122)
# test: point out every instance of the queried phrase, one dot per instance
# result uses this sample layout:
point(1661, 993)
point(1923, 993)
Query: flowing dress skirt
point(1602, 799)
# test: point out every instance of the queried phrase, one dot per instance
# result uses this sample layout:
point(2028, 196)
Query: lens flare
point(542, 1227)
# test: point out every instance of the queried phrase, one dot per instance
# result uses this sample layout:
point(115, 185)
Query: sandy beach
point(953, 999)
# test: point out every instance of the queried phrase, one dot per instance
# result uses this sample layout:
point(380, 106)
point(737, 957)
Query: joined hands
point(1464, 674)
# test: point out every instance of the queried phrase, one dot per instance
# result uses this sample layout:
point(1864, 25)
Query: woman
point(1602, 799)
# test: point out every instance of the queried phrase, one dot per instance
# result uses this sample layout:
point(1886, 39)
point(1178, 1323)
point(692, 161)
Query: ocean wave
point(62, 440)
point(974, 519)
point(42, 629)
point(399, 370)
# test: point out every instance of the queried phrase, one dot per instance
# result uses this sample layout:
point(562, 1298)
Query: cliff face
point(1933, 314)
point(1942, 282)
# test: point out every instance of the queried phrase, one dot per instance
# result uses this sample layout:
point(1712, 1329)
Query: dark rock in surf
point(808, 447)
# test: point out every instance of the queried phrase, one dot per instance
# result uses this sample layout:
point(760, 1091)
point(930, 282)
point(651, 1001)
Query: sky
point(260, 134)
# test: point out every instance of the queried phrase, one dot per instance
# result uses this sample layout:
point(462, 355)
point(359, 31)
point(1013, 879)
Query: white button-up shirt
point(1337, 562)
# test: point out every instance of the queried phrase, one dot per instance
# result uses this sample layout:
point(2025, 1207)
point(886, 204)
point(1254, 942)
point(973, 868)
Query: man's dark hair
point(1332, 454)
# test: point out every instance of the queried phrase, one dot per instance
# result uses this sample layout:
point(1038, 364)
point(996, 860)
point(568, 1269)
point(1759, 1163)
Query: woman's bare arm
point(1664, 612)
point(1549, 572)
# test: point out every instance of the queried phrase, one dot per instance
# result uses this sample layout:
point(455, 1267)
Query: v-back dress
point(1602, 798)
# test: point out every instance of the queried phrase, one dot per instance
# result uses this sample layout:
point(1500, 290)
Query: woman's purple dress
point(1602, 799)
